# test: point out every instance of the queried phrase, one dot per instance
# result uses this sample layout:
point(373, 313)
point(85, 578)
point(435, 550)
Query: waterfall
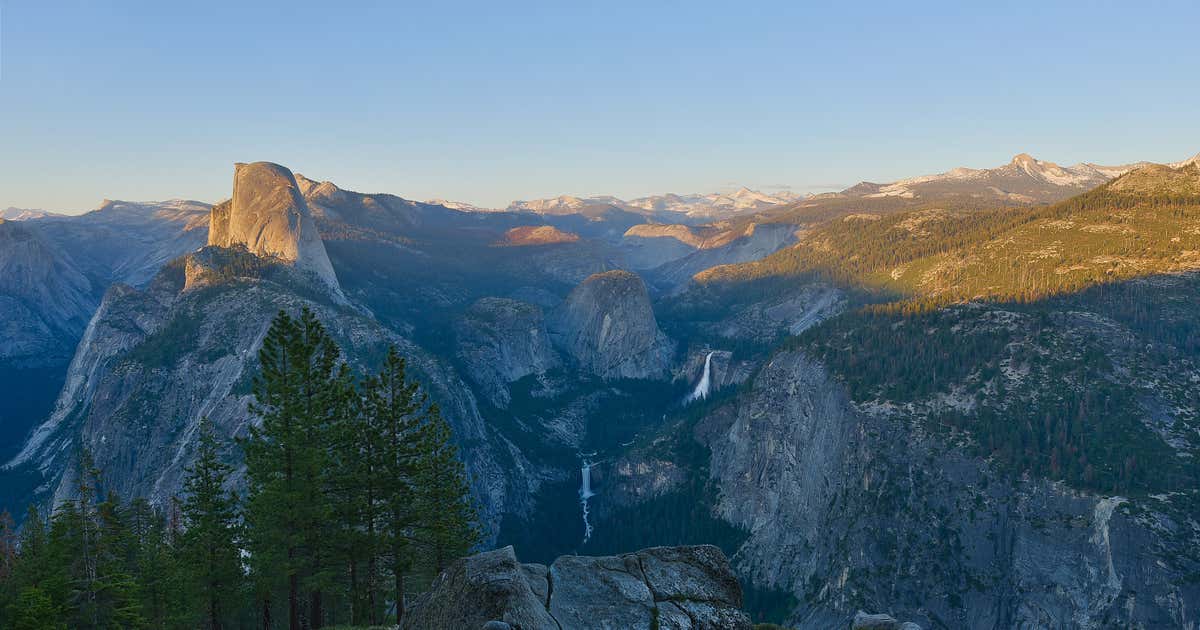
point(705, 384)
point(585, 493)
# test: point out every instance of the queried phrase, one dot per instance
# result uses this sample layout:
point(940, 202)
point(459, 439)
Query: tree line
point(354, 500)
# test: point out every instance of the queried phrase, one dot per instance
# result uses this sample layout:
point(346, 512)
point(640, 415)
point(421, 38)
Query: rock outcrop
point(153, 362)
point(731, 247)
point(45, 300)
point(662, 587)
point(128, 242)
point(880, 621)
point(270, 217)
point(607, 325)
point(832, 493)
point(537, 235)
point(500, 341)
point(54, 270)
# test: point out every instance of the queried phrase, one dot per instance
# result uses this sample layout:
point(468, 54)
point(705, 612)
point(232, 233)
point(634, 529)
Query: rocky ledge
point(680, 588)
point(880, 621)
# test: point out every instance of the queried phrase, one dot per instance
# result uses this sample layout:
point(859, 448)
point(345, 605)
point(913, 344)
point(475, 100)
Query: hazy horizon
point(728, 187)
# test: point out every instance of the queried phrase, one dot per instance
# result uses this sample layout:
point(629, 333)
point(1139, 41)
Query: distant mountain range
point(22, 214)
point(711, 206)
point(705, 206)
point(1024, 180)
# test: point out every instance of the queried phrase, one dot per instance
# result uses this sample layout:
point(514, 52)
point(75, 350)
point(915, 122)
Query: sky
point(488, 102)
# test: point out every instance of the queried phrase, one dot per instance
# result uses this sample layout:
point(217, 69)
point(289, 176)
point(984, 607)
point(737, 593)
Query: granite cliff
point(270, 217)
point(607, 325)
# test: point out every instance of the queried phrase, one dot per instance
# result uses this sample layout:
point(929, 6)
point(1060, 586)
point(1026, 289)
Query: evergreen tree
point(32, 568)
point(354, 483)
point(286, 457)
point(347, 488)
point(75, 536)
point(156, 566)
point(34, 610)
point(118, 597)
point(446, 513)
point(427, 519)
point(209, 544)
point(8, 546)
point(392, 403)
point(87, 557)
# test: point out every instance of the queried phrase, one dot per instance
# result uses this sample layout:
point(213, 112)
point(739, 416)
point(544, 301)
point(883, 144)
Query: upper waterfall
point(705, 385)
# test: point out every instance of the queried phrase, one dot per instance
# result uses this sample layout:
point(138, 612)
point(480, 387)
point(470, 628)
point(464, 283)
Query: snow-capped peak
point(1024, 178)
point(1195, 159)
point(459, 205)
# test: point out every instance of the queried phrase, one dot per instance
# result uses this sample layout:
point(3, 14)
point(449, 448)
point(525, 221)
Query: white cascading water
point(705, 383)
point(585, 493)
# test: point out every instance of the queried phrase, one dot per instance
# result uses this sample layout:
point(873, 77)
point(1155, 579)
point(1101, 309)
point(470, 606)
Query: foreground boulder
point(880, 621)
point(681, 588)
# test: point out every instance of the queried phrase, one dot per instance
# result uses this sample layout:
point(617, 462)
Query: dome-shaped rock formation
point(608, 326)
point(269, 216)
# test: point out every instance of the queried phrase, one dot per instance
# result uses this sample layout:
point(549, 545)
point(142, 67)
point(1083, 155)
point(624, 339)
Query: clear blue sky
point(492, 101)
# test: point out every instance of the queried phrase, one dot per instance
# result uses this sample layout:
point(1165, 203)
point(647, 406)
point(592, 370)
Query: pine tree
point(154, 565)
point(286, 456)
point(160, 568)
point(87, 555)
point(75, 535)
point(8, 547)
point(391, 406)
point(446, 513)
point(118, 597)
point(34, 610)
point(354, 482)
point(33, 568)
point(209, 543)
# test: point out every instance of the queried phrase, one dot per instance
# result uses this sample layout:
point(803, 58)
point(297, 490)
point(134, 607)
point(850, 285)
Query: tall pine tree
point(209, 543)
point(446, 515)
point(392, 403)
point(286, 459)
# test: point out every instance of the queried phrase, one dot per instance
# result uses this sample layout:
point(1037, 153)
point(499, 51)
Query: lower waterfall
point(585, 493)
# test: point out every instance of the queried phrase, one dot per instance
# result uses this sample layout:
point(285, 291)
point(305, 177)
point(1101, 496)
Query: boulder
point(538, 577)
point(474, 591)
point(669, 588)
point(699, 573)
point(880, 621)
point(605, 593)
point(864, 621)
